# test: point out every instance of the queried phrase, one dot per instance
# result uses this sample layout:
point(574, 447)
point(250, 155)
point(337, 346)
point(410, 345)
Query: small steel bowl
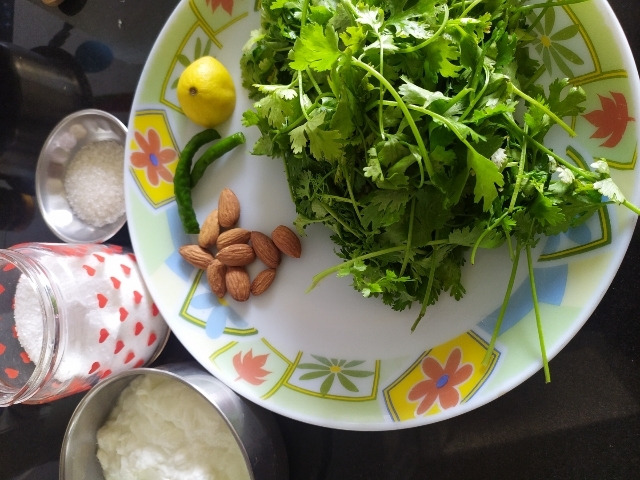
point(65, 140)
point(253, 427)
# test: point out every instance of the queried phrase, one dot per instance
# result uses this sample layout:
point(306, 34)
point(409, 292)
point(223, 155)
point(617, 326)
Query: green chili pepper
point(182, 180)
point(214, 152)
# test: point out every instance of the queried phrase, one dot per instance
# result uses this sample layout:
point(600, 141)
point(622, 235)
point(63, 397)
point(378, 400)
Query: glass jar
point(71, 315)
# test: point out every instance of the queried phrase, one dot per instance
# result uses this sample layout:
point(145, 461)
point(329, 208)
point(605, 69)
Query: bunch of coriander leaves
point(397, 124)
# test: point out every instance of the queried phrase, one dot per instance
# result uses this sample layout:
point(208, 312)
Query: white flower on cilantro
point(553, 165)
point(499, 158)
point(254, 37)
point(558, 188)
point(608, 188)
point(492, 102)
point(601, 167)
point(565, 175)
point(306, 102)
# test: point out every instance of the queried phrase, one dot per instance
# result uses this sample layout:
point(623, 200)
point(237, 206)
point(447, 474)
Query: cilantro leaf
point(397, 125)
point(324, 144)
point(439, 56)
point(384, 207)
point(317, 48)
point(487, 177)
point(543, 210)
point(569, 106)
point(275, 109)
point(419, 96)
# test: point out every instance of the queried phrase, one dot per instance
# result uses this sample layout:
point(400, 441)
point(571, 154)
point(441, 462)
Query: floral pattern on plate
point(376, 387)
point(441, 378)
point(154, 156)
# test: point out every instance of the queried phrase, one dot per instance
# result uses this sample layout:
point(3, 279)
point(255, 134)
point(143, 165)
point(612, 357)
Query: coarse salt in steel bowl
point(78, 131)
point(254, 429)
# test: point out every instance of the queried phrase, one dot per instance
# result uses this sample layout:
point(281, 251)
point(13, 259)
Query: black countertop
point(585, 424)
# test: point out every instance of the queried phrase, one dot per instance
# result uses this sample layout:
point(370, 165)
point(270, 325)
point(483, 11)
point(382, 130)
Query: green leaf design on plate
point(326, 385)
point(313, 366)
point(357, 373)
point(312, 375)
point(323, 360)
point(207, 48)
point(198, 49)
point(548, 44)
point(331, 369)
point(183, 60)
point(566, 33)
point(354, 363)
point(346, 383)
point(569, 54)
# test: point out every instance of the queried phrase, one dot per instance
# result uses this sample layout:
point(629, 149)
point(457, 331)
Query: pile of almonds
point(236, 248)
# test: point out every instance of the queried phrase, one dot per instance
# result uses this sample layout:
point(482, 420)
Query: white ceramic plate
point(331, 357)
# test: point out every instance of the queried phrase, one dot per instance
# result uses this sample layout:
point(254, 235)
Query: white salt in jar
point(71, 315)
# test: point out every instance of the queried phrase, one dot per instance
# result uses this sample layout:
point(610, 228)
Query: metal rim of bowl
point(118, 224)
point(95, 391)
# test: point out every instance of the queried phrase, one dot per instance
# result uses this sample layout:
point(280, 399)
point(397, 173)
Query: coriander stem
point(544, 108)
point(407, 115)
point(509, 245)
point(380, 122)
point(463, 93)
point(558, 3)
point(303, 10)
point(503, 309)
point(313, 81)
point(299, 120)
point(484, 234)
point(303, 20)
point(578, 171)
point(474, 97)
point(430, 39)
point(536, 308)
point(288, 175)
point(438, 117)
point(443, 241)
point(523, 159)
point(322, 275)
point(301, 96)
point(631, 207)
point(535, 77)
point(347, 179)
point(469, 8)
point(336, 198)
point(337, 217)
point(425, 302)
point(537, 19)
point(405, 260)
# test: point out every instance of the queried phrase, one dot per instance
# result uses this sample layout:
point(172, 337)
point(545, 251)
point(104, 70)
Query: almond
point(196, 256)
point(262, 281)
point(238, 284)
point(287, 241)
point(236, 255)
point(209, 231)
point(265, 249)
point(216, 278)
point(228, 208)
point(233, 236)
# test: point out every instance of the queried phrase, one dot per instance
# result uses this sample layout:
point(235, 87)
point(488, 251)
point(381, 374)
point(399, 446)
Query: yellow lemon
point(206, 92)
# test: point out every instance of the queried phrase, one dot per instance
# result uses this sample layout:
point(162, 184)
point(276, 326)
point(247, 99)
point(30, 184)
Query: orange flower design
point(153, 158)
point(249, 368)
point(441, 382)
point(227, 5)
